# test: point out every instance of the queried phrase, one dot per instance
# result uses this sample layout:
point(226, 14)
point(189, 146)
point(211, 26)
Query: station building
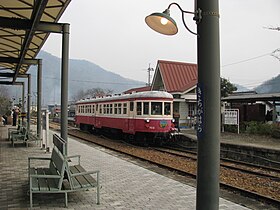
point(179, 79)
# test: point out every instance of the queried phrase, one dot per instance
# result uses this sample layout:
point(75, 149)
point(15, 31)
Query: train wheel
point(158, 142)
point(82, 127)
point(129, 138)
point(142, 140)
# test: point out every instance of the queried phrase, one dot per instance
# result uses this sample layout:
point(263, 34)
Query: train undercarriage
point(139, 138)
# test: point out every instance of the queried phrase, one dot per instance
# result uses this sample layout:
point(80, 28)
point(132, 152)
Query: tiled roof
point(140, 89)
point(177, 76)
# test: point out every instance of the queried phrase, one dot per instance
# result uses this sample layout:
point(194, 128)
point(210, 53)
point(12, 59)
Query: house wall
point(183, 110)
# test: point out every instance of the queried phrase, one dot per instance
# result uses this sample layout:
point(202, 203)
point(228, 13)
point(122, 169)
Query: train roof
point(146, 94)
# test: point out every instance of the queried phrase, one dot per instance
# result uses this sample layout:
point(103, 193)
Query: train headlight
point(173, 120)
point(147, 120)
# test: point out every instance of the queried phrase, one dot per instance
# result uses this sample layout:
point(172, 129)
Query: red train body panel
point(138, 114)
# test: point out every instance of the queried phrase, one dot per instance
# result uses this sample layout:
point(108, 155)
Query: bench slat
point(35, 184)
point(42, 181)
point(75, 182)
point(57, 158)
point(52, 183)
point(88, 177)
point(80, 181)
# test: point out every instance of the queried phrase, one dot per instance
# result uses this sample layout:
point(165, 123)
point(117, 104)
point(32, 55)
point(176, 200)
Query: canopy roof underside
point(23, 31)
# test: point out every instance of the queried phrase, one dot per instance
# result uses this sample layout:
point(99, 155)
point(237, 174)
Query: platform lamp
point(164, 24)
point(206, 16)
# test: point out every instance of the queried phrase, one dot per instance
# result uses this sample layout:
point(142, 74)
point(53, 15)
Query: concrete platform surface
point(124, 185)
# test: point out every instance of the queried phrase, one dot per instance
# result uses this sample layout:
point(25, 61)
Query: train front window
point(146, 108)
point(156, 108)
point(167, 108)
point(139, 108)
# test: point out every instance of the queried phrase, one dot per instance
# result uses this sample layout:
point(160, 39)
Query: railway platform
point(248, 140)
point(124, 184)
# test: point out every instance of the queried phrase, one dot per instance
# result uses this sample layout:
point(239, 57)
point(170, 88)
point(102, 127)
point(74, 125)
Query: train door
point(131, 121)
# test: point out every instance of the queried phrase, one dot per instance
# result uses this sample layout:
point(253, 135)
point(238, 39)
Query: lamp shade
point(162, 23)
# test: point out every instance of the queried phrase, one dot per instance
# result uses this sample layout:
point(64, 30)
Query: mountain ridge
point(83, 75)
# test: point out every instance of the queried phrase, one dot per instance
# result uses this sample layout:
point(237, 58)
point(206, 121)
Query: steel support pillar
point(208, 104)
point(39, 99)
point(22, 104)
point(28, 101)
point(64, 83)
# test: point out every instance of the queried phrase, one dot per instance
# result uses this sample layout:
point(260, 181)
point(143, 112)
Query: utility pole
point(149, 74)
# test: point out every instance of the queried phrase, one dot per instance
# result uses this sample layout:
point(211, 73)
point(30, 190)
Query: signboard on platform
point(231, 117)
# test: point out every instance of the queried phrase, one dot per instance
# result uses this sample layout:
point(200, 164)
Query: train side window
point(115, 109)
point(96, 107)
point(119, 108)
point(146, 108)
point(156, 108)
point(104, 108)
point(167, 108)
point(93, 109)
point(139, 108)
point(125, 108)
point(131, 106)
point(111, 109)
point(100, 108)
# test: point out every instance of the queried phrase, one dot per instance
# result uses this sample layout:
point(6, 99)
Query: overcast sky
point(113, 35)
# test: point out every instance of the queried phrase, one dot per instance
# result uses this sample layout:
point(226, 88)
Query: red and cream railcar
point(144, 115)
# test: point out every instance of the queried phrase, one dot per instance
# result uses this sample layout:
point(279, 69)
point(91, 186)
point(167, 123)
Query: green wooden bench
point(31, 137)
point(12, 131)
point(79, 178)
point(59, 177)
point(20, 137)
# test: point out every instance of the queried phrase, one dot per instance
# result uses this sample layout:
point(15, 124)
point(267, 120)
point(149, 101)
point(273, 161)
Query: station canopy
point(24, 27)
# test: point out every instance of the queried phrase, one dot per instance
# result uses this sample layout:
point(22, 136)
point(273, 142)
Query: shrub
point(275, 132)
point(260, 128)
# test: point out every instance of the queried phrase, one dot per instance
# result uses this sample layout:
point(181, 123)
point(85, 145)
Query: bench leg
point(97, 195)
point(97, 190)
point(66, 200)
point(31, 201)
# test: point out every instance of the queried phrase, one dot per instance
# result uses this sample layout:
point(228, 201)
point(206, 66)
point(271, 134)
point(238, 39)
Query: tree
point(5, 103)
point(227, 87)
point(90, 93)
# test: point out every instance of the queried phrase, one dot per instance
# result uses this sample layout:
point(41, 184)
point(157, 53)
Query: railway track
point(262, 171)
point(260, 186)
point(275, 167)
